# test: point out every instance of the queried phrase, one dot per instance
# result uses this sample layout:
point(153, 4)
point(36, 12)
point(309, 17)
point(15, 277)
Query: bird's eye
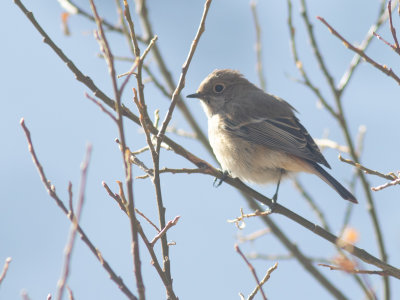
point(218, 88)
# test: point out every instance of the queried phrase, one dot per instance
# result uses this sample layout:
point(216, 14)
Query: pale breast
point(248, 161)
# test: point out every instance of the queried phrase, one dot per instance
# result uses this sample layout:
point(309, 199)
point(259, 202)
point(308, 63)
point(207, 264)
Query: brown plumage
point(256, 136)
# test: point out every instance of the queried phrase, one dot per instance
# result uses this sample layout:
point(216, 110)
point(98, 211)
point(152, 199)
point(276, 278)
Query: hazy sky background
point(36, 85)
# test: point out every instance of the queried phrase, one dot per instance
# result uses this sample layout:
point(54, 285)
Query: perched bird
point(256, 136)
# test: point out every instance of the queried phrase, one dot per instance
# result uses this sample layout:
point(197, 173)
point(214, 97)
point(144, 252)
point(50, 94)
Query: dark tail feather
point(340, 189)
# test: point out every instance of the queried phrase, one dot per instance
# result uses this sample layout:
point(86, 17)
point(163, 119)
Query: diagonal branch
point(383, 68)
point(51, 190)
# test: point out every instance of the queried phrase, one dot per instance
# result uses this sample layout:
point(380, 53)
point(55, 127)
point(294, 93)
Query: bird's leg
point(224, 176)
point(275, 196)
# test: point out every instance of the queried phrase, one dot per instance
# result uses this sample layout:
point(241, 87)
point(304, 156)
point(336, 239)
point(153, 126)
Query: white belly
point(249, 162)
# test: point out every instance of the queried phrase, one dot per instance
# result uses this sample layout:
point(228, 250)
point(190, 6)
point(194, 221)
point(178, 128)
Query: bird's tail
point(340, 189)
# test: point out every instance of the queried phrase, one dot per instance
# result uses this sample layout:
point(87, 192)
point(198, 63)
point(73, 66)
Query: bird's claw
point(224, 176)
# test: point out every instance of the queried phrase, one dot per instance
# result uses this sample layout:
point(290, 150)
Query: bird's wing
point(284, 134)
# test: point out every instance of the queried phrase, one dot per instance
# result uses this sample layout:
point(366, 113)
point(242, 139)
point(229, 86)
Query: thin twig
point(392, 29)
point(318, 212)
point(356, 60)
point(142, 11)
point(383, 186)
point(181, 82)
point(105, 110)
point(383, 68)
point(389, 176)
point(345, 128)
point(178, 149)
point(70, 198)
point(315, 48)
point(239, 220)
point(264, 280)
point(5, 269)
point(51, 190)
point(74, 226)
point(355, 271)
point(70, 294)
point(164, 230)
point(174, 171)
point(259, 284)
point(258, 46)
point(124, 151)
point(253, 236)
point(299, 64)
point(150, 248)
point(148, 220)
point(87, 15)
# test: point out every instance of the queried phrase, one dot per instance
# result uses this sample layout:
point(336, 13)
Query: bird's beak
point(195, 95)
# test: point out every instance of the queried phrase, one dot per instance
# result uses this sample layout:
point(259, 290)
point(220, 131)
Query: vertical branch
point(75, 223)
point(185, 67)
point(259, 66)
point(125, 154)
point(141, 9)
point(161, 133)
point(145, 122)
point(51, 191)
point(250, 266)
point(392, 29)
point(382, 17)
point(299, 64)
point(346, 132)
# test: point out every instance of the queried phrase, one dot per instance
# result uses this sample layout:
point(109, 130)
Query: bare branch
point(259, 284)
point(388, 71)
point(105, 110)
point(355, 271)
point(383, 186)
point(51, 190)
point(5, 269)
point(185, 68)
point(164, 230)
point(264, 280)
point(258, 46)
point(389, 176)
point(74, 226)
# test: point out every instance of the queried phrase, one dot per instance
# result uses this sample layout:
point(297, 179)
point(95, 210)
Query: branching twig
point(299, 64)
point(164, 230)
point(149, 246)
point(389, 176)
point(355, 62)
point(388, 71)
point(74, 226)
point(259, 284)
point(360, 253)
point(392, 29)
point(243, 216)
point(383, 186)
point(148, 31)
point(264, 280)
point(51, 190)
point(174, 171)
point(181, 83)
point(124, 151)
point(77, 10)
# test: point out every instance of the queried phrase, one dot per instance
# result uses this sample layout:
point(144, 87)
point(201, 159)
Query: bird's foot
point(224, 176)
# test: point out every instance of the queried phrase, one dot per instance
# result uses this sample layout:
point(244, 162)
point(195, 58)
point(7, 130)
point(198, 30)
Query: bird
point(256, 136)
